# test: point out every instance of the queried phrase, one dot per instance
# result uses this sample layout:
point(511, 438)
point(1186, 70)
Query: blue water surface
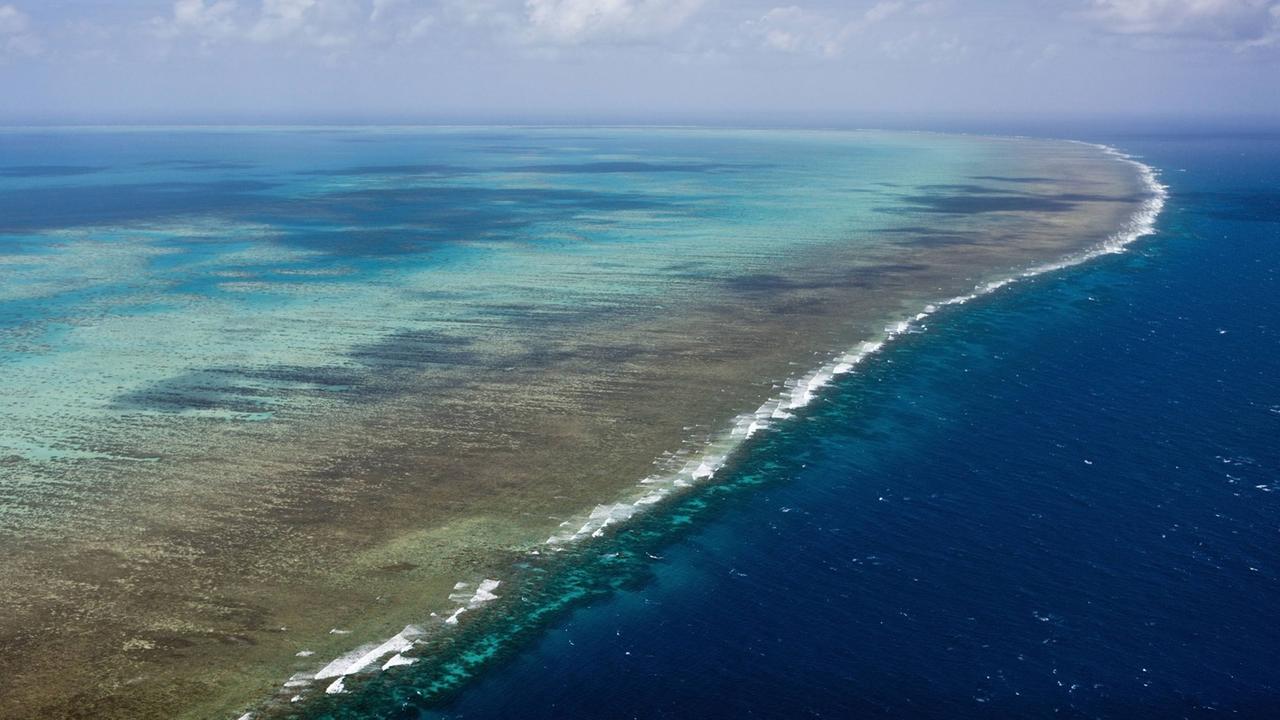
point(1062, 500)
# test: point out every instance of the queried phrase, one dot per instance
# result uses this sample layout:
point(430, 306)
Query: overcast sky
point(641, 60)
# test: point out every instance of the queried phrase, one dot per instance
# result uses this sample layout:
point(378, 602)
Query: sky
point(730, 61)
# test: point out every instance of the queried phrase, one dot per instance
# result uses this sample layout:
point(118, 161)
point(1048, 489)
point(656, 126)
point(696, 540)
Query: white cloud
point(1241, 22)
point(282, 18)
point(793, 29)
point(321, 23)
point(13, 21)
point(317, 23)
point(210, 21)
point(575, 22)
point(492, 14)
point(381, 8)
point(401, 21)
point(881, 11)
point(16, 35)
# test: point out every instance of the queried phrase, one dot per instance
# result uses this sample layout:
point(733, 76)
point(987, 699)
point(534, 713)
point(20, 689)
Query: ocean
point(272, 395)
point(1056, 500)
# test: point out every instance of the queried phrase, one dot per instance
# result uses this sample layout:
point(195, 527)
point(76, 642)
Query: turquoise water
point(260, 383)
point(1056, 500)
point(262, 260)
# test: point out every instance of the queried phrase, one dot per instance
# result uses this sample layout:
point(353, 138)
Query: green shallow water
point(261, 384)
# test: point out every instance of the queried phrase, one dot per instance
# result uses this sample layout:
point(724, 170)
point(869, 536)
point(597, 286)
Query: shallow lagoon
point(261, 385)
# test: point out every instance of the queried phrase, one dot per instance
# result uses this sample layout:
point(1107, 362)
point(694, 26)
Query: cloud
point(13, 20)
point(881, 11)
point(16, 35)
point(793, 29)
point(194, 16)
point(316, 23)
point(401, 21)
point(576, 22)
point(319, 23)
point(382, 7)
point(1240, 22)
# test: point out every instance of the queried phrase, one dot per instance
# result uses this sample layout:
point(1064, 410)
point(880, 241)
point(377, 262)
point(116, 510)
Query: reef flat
point(270, 395)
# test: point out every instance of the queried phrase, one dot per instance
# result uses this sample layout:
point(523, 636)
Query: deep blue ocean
point(1060, 500)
